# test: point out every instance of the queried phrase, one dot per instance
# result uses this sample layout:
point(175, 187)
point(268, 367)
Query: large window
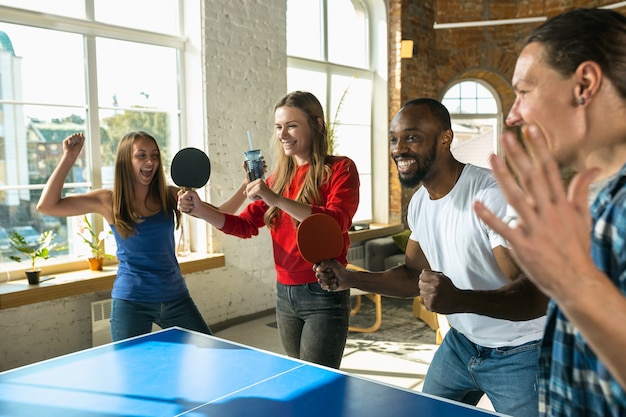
point(331, 53)
point(475, 113)
point(93, 70)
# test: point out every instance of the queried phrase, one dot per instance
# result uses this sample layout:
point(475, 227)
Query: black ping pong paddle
point(319, 238)
point(190, 168)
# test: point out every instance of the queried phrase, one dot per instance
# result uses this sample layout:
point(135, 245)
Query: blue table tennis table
point(175, 372)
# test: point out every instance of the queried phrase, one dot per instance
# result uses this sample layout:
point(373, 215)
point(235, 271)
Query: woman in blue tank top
point(141, 210)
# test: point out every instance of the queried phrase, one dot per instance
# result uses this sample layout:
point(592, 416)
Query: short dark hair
point(438, 110)
point(580, 35)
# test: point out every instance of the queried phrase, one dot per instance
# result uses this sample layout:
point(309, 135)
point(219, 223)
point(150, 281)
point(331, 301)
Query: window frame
point(497, 116)
point(187, 55)
point(376, 71)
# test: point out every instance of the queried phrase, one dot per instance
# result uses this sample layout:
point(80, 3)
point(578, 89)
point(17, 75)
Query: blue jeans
point(133, 318)
point(313, 323)
point(464, 371)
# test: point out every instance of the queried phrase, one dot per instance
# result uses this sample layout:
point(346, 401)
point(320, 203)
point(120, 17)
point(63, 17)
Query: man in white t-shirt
point(495, 313)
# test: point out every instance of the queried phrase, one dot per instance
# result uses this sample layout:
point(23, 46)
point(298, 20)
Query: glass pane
point(486, 105)
point(134, 75)
point(355, 143)
point(68, 8)
point(453, 92)
point(304, 29)
point(468, 106)
point(307, 80)
point(452, 104)
point(347, 33)
point(468, 89)
point(31, 230)
point(351, 100)
point(482, 92)
point(32, 144)
point(160, 16)
point(31, 149)
point(474, 140)
point(162, 126)
point(364, 212)
point(43, 66)
point(474, 98)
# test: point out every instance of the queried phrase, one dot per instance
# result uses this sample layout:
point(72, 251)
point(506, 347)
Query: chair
point(375, 298)
point(381, 254)
point(437, 322)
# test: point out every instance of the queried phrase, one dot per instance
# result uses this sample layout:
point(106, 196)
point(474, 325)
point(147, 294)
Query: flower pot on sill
point(33, 276)
point(95, 264)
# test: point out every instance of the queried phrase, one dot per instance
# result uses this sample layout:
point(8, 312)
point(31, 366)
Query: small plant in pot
point(96, 243)
point(41, 249)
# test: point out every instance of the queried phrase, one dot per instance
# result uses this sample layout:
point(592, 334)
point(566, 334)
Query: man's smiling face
point(413, 135)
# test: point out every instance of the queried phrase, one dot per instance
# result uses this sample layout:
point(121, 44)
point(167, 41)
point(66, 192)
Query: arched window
point(475, 114)
point(333, 51)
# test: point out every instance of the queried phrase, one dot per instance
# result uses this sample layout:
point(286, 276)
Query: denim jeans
point(313, 323)
point(133, 318)
point(464, 371)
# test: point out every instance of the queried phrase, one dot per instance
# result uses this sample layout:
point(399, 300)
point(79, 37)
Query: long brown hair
point(125, 214)
point(319, 171)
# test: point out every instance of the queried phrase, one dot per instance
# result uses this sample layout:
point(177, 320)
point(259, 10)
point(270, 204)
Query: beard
point(424, 165)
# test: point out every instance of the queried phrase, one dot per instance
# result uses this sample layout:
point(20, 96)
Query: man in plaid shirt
point(570, 83)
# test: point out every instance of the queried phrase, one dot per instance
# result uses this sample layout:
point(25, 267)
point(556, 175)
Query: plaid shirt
point(572, 381)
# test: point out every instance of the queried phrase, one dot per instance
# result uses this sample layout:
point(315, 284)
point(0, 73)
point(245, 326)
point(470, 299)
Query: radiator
point(100, 322)
point(100, 326)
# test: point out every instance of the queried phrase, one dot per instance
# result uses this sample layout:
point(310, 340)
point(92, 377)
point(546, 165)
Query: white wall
point(245, 73)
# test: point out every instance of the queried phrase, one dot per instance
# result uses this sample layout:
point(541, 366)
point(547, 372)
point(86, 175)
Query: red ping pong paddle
point(319, 238)
point(190, 168)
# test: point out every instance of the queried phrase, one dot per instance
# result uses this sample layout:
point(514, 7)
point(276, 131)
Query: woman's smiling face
point(146, 159)
point(294, 133)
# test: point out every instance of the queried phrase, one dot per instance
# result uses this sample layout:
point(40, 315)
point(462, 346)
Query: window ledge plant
point(96, 243)
point(41, 249)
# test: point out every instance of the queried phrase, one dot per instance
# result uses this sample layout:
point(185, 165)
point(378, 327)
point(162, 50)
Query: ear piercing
point(581, 100)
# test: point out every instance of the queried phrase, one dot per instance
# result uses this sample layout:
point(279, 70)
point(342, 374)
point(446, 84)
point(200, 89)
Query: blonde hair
point(319, 171)
point(125, 214)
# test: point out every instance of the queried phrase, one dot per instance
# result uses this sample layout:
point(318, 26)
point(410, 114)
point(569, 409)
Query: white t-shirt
point(458, 244)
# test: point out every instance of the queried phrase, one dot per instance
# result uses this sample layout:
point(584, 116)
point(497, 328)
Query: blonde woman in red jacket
point(312, 323)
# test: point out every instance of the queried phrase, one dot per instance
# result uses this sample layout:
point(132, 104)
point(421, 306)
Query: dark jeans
point(313, 323)
point(133, 318)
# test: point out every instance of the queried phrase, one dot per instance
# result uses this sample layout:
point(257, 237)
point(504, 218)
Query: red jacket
point(340, 199)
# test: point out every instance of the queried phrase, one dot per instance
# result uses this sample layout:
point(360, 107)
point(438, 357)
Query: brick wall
point(447, 56)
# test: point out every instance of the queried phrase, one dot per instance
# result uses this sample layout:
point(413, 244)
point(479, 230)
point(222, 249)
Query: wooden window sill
point(19, 293)
point(375, 230)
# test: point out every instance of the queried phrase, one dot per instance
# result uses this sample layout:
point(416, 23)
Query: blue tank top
point(148, 270)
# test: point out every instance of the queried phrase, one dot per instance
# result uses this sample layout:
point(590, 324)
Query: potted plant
point(33, 250)
point(331, 125)
point(96, 243)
